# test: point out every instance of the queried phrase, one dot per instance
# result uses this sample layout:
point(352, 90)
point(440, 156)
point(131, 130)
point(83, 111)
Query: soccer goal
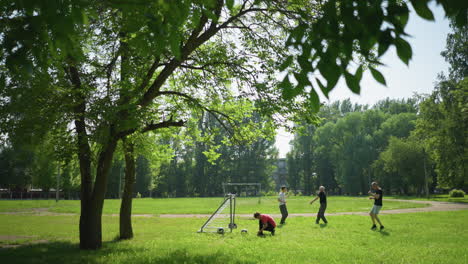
point(223, 218)
point(253, 189)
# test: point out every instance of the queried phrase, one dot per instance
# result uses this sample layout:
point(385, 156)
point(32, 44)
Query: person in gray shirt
point(282, 204)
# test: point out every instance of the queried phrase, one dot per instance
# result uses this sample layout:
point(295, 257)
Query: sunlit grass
point(296, 204)
point(436, 237)
point(434, 197)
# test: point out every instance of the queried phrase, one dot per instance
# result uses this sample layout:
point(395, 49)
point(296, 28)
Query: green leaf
point(421, 8)
point(323, 88)
point(352, 82)
point(385, 41)
point(287, 88)
point(404, 50)
point(461, 18)
point(330, 71)
point(175, 45)
point(358, 73)
point(404, 19)
point(314, 100)
point(286, 63)
point(378, 76)
point(230, 4)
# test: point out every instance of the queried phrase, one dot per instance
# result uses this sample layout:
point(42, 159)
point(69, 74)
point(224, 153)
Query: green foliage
point(343, 33)
point(204, 158)
point(456, 53)
point(456, 193)
point(403, 159)
point(343, 151)
point(442, 126)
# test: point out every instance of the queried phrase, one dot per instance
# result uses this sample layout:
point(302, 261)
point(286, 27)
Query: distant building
point(281, 173)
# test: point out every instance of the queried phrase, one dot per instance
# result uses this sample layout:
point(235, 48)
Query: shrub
point(456, 193)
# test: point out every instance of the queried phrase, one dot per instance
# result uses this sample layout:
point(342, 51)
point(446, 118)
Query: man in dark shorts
point(323, 205)
point(265, 223)
point(376, 194)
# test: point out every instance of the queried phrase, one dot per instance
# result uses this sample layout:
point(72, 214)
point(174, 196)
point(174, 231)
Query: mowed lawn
point(296, 204)
point(435, 197)
point(436, 237)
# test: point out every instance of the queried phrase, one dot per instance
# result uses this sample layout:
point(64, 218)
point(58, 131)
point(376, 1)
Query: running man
point(323, 205)
point(265, 223)
point(377, 196)
point(282, 205)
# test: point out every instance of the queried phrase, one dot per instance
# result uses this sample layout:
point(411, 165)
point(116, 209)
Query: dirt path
point(433, 207)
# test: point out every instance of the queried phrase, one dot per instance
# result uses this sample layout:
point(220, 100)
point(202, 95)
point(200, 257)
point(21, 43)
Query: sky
point(427, 41)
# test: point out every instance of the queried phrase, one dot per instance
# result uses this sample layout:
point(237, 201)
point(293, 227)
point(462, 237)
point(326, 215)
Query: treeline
point(192, 163)
point(411, 146)
point(340, 152)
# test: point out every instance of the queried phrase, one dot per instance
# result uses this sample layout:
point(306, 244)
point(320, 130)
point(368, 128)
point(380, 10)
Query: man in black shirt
point(323, 205)
point(377, 196)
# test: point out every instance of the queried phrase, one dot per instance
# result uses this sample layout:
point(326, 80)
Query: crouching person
point(265, 223)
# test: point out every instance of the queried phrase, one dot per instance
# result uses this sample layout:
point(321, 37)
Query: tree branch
point(188, 48)
point(163, 124)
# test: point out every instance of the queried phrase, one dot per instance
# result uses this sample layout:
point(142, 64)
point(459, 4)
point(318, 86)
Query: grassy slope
point(208, 205)
point(438, 237)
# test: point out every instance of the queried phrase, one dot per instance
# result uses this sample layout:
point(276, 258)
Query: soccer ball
point(221, 230)
point(244, 231)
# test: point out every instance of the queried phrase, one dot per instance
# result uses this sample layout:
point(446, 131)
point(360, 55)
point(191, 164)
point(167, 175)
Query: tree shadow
point(182, 256)
point(67, 252)
point(52, 252)
point(55, 252)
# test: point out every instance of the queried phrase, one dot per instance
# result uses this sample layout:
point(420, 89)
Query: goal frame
point(259, 185)
point(231, 199)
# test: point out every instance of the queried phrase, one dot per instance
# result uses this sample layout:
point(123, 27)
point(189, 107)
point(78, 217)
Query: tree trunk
point(89, 220)
point(126, 231)
point(426, 181)
point(91, 205)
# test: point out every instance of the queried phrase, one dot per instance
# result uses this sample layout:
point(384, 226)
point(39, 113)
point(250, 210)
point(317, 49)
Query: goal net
point(223, 218)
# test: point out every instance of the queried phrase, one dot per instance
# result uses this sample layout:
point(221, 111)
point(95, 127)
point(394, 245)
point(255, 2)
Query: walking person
point(323, 205)
point(376, 194)
point(282, 205)
point(265, 223)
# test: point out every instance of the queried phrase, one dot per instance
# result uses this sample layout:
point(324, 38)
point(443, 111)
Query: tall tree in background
point(443, 119)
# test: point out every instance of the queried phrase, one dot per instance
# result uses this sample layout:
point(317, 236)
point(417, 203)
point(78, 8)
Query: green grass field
point(436, 237)
point(296, 204)
point(437, 198)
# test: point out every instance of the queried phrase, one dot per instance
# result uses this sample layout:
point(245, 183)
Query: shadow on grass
point(323, 225)
point(182, 256)
point(384, 233)
point(66, 252)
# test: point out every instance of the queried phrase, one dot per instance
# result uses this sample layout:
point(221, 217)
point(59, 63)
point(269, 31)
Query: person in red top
point(265, 223)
